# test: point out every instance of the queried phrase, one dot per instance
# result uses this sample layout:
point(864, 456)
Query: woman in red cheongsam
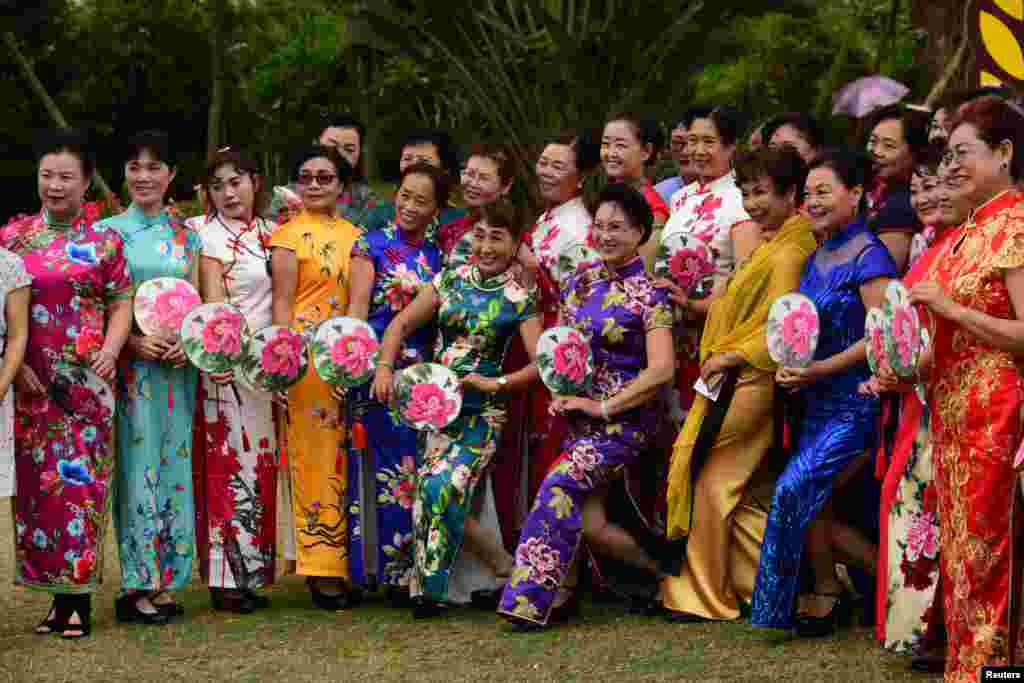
point(973, 288)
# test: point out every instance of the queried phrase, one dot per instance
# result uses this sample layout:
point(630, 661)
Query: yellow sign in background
point(999, 27)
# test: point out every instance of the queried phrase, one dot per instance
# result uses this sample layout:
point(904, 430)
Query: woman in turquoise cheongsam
point(154, 512)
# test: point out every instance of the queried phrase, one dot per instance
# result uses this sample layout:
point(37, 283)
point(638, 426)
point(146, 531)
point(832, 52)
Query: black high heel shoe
point(259, 601)
point(808, 626)
point(331, 603)
point(170, 609)
point(231, 600)
point(127, 611)
point(423, 608)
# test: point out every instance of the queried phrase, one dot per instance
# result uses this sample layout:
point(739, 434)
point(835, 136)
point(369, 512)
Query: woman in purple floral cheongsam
point(629, 324)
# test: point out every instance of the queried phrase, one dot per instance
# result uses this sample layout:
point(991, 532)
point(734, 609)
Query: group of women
point(763, 491)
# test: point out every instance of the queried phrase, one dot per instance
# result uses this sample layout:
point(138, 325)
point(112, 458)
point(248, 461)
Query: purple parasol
point(864, 95)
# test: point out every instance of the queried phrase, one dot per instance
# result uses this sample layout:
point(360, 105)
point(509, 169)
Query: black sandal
point(80, 605)
point(55, 618)
point(808, 626)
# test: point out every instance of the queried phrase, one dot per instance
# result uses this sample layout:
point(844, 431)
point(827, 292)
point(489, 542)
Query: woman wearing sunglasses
point(311, 271)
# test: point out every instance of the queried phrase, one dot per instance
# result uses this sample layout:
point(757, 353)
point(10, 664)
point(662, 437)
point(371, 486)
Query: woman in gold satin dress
point(718, 456)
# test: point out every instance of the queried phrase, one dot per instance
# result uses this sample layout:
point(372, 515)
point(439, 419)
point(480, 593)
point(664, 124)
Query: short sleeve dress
point(12, 276)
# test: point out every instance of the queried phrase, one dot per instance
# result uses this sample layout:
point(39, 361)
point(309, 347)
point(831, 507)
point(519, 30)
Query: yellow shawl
point(737, 322)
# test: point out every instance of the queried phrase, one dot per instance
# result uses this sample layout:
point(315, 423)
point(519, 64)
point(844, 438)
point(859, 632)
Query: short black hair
point(803, 122)
point(156, 142)
point(632, 203)
point(783, 166)
point(586, 145)
point(913, 121)
point(342, 120)
point(342, 168)
point(441, 139)
point(439, 178)
point(346, 120)
point(648, 131)
point(502, 213)
point(928, 159)
point(729, 121)
point(851, 165)
point(71, 140)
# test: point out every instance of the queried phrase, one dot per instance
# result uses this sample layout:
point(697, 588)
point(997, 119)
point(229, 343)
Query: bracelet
point(604, 410)
point(385, 364)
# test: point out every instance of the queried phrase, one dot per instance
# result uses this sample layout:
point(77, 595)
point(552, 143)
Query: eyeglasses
point(956, 155)
point(322, 179)
point(611, 228)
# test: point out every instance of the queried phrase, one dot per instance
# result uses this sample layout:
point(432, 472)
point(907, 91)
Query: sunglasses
point(322, 179)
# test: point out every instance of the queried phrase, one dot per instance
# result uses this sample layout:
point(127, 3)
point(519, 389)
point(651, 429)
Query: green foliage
point(510, 70)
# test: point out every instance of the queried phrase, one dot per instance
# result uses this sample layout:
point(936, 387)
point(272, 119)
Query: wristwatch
point(502, 382)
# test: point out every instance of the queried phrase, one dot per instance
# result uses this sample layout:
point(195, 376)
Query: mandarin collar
point(627, 269)
point(993, 204)
point(718, 184)
point(405, 236)
point(139, 216)
point(569, 206)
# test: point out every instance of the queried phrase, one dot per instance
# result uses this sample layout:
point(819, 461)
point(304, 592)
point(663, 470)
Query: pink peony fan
point(277, 359)
point(161, 305)
point(215, 337)
point(345, 351)
point(685, 260)
point(903, 334)
point(793, 329)
point(428, 396)
point(565, 362)
point(877, 327)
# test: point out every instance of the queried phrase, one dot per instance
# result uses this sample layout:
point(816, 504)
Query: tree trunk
point(217, 41)
point(51, 107)
point(943, 24)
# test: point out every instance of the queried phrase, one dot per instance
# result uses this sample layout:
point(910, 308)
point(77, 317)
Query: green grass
point(292, 642)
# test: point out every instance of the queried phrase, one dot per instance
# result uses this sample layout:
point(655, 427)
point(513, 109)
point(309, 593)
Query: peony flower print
point(172, 305)
point(87, 342)
point(542, 560)
point(429, 404)
point(687, 267)
point(922, 537)
point(282, 355)
point(570, 359)
point(799, 328)
point(355, 352)
point(223, 333)
point(82, 567)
